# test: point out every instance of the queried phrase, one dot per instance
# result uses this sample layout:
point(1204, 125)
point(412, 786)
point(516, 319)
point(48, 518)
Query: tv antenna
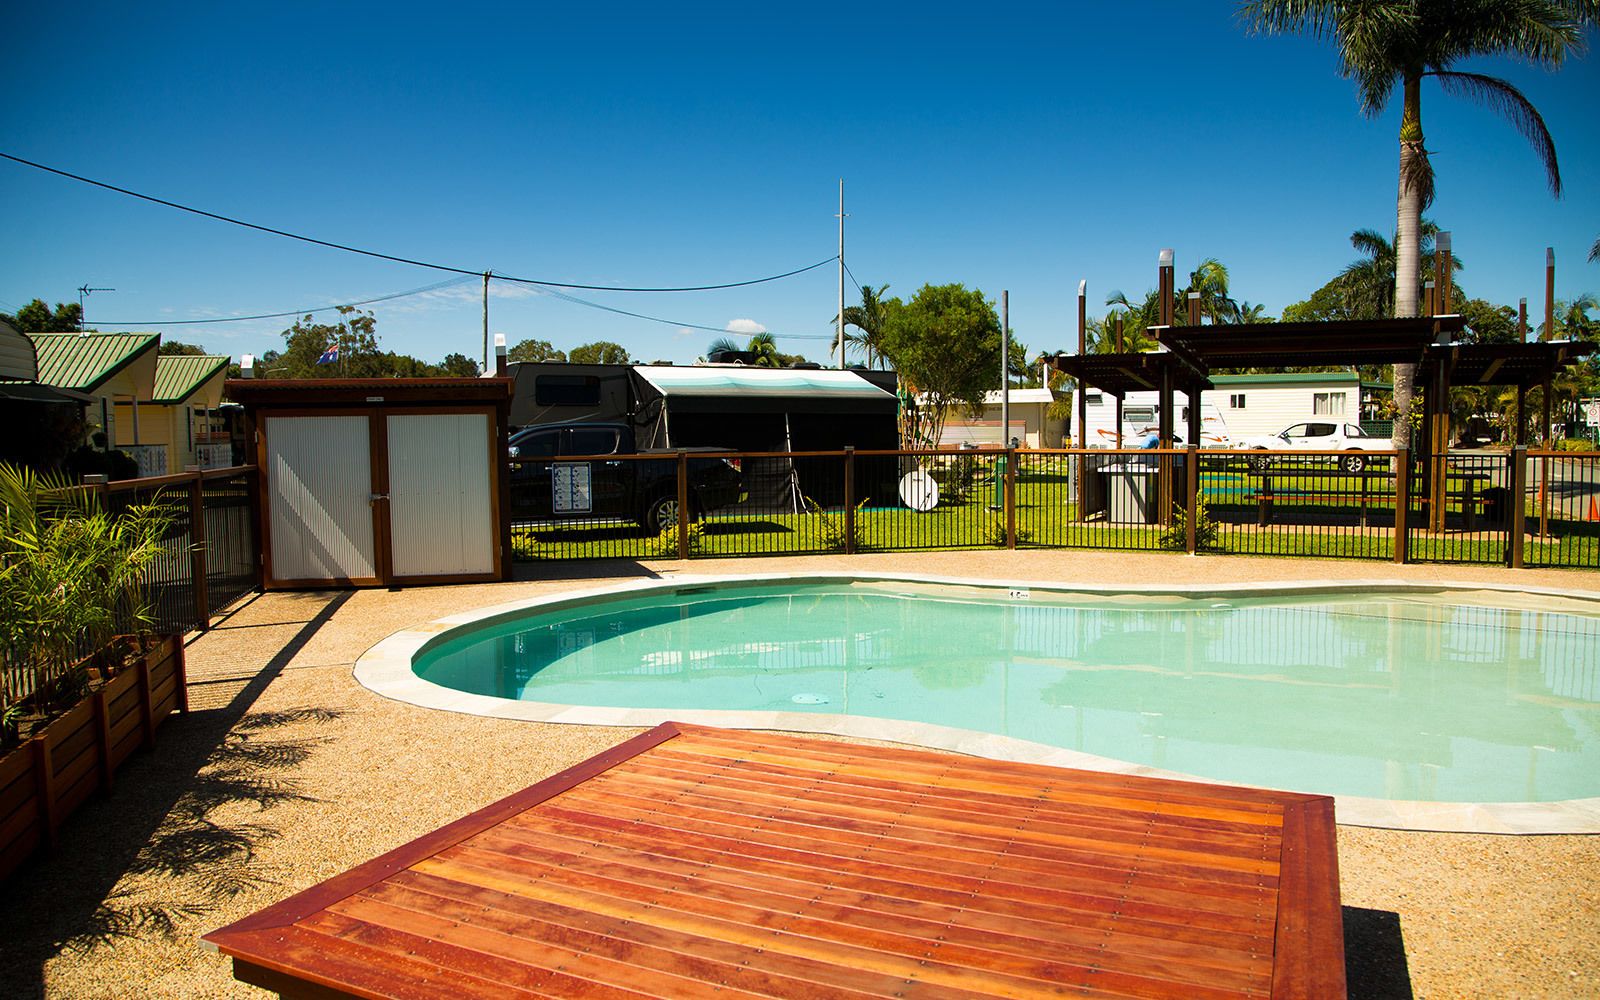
point(83, 291)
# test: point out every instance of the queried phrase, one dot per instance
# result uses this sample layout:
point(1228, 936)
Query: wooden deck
point(698, 862)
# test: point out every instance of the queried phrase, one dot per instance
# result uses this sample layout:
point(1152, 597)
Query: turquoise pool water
point(1385, 696)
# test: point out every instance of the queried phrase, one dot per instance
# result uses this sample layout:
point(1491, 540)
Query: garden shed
point(379, 482)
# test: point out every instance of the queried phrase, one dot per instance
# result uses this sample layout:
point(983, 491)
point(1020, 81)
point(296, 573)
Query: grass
point(1046, 513)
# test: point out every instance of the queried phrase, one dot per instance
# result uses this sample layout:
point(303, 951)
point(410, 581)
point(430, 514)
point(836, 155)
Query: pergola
point(1192, 353)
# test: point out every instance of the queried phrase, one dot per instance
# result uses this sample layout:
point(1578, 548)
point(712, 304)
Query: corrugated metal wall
point(440, 514)
point(319, 475)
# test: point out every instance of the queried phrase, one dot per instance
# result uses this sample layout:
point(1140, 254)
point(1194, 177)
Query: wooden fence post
point(197, 553)
point(849, 500)
point(1011, 498)
point(1518, 523)
point(1192, 491)
point(683, 505)
point(1402, 503)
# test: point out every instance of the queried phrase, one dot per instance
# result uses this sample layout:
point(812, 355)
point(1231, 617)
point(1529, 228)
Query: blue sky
point(1005, 147)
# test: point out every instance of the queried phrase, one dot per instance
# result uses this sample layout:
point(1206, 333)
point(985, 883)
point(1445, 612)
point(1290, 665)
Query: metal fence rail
point(1381, 505)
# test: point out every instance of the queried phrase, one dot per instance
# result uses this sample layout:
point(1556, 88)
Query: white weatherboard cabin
point(1031, 423)
point(1241, 406)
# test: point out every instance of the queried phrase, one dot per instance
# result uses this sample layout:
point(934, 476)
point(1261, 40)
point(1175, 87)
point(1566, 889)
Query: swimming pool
point(1399, 696)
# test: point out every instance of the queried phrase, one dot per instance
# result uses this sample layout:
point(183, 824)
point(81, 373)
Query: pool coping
point(386, 669)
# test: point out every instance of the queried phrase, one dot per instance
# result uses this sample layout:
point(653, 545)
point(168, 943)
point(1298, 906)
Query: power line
point(279, 315)
point(670, 322)
point(853, 280)
point(408, 260)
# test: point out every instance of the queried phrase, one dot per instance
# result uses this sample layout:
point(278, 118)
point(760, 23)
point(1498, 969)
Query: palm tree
point(1250, 312)
point(721, 345)
point(765, 348)
point(1384, 45)
point(1210, 279)
point(868, 318)
point(1594, 252)
point(1369, 282)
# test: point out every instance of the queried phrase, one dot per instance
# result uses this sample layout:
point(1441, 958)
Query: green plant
point(665, 545)
point(72, 575)
point(1176, 537)
point(1574, 444)
point(994, 532)
point(831, 528)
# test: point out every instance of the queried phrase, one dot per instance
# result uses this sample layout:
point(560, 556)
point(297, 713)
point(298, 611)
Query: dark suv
point(581, 471)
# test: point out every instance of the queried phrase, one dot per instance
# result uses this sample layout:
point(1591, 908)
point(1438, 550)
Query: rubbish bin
point(1131, 494)
point(1496, 507)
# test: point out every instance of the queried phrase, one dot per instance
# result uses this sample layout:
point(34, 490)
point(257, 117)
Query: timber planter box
point(43, 780)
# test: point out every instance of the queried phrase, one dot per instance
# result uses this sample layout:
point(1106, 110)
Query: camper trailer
point(1141, 418)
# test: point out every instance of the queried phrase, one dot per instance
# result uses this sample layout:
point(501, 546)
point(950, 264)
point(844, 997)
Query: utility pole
point(83, 291)
point(841, 272)
point(1005, 369)
point(486, 319)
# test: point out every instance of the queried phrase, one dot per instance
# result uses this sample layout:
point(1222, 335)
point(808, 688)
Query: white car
point(1317, 435)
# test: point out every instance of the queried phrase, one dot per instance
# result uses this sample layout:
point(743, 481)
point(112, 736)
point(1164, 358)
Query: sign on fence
point(571, 488)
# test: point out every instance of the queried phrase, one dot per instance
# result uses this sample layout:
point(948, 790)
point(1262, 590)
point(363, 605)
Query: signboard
point(1591, 412)
point(571, 488)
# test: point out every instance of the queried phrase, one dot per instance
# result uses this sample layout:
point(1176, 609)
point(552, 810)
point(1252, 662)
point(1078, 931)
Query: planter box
point(45, 779)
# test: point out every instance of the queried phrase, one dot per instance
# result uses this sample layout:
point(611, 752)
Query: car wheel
point(661, 515)
point(1353, 462)
point(1259, 463)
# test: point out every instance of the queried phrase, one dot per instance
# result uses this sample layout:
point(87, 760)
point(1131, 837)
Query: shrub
point(831, 527)
point(72, 575)
point(994, 533)
point(1176, 538)
point(665, 545)
point(1574, 444)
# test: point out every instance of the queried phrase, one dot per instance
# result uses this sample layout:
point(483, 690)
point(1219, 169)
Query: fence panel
point(1562, 506)
point(169, 579)
point(1470, 523)
point(1323, 504)
point(232, 551)
point(1124, 500)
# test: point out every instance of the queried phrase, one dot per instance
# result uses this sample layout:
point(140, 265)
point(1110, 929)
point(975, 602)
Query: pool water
point(1384, 696)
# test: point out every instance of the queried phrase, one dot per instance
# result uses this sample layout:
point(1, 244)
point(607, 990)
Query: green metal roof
point(179, 376)
point(86, 361)
point(1289, 378)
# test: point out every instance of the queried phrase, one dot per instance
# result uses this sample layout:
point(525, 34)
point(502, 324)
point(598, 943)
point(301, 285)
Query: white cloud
point(682, 333)
point(745, 326)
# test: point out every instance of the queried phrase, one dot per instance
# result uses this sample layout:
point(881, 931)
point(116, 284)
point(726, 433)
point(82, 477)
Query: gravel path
point(287, 772)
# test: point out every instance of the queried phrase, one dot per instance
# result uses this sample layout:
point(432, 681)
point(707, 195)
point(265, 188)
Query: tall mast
point(840, 333)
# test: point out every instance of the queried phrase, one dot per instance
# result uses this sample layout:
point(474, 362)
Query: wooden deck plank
point(974, 892)
point(1107, 934)
point(690, 861)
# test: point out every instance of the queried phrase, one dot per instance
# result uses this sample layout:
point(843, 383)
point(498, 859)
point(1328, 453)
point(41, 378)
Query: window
point(1327, 404)
point(540, 445)
point(1139, 414)
point(1235, 400)
point(592, 441)
point(567, 390)
point(1093, 399)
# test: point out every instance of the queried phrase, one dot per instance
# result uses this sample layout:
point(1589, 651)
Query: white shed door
point(319, 474)
point(440, 516)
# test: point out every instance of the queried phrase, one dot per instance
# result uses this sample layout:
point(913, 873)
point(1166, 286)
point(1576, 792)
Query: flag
point(330, 356)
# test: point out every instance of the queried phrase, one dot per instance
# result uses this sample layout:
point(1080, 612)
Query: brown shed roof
point(696, 862)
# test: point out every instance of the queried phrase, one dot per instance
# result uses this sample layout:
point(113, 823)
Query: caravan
point(1141, 418)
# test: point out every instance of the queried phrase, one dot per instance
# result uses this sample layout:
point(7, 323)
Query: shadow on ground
point(580, 569)
point(160, 824)
point(1375, 955)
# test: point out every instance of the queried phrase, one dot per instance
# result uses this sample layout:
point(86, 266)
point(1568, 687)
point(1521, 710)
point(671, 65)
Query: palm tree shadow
point(171, 821)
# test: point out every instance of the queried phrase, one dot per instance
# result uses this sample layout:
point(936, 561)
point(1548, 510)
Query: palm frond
point(1594, 252)
point(1507, 101)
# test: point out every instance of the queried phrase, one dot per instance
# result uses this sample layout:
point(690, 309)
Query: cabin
point(177, 427)
point(1030, 422)
point(109, 368)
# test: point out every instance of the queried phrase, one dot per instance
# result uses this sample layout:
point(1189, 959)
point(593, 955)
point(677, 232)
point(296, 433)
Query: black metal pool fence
point(1460, 507)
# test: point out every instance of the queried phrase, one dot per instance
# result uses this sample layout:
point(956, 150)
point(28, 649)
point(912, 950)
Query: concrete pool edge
point(386, 669)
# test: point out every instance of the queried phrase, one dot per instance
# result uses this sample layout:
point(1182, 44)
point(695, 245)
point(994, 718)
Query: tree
point(1488, 323)
point(180, 348)
point(601, 352)
point(765, 348)
point(723, 345)
point(868, 318)
point(458, 366)
point(535, 350)
point(1594, 252)
point(945, 344)
point(36, 317)
point(1384, 45)
point(356, 337)
point(1210, 280)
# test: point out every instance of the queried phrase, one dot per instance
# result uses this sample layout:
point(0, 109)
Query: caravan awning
point(714, 389)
